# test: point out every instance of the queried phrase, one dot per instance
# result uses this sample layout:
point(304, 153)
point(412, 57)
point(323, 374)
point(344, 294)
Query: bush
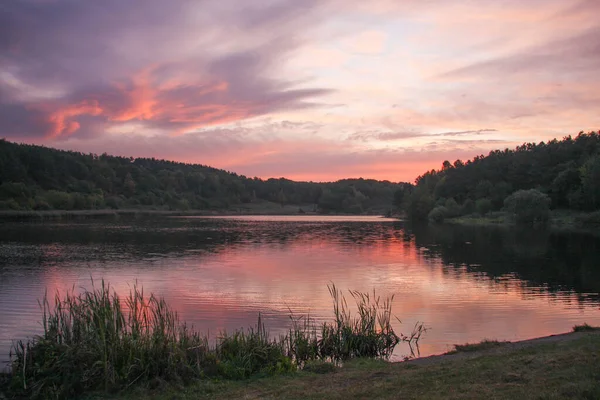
point(438, 214)
point(81, 201)
point(452, 208)
point(468, 207)
point(114, 202)
point(59, 200)
point(528, 206)
point(319, 367)
point(15, 190)
point(243, 354)
point(591, 219)
point(41, 205)
point(9, 204)
point(484, 206)
point(419, 205)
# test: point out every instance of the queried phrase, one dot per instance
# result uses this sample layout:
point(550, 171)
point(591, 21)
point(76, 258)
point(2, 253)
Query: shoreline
point(559, 221)
point(75, 214)
point(500, 347)
point(554, 364)
point(288, 210)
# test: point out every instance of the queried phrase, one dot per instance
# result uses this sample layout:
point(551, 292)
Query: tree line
point(40, 178)
point(526, 182)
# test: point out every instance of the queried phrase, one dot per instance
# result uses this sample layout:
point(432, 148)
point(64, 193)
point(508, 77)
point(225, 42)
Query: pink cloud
point(449, 71)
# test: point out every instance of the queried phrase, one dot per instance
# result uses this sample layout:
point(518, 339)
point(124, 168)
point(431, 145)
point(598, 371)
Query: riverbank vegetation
point(526, 183)
point(564, 369)
point(98, 341)
point(39, 178)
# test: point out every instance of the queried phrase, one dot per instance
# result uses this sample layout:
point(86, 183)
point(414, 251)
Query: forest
point(527, 182)
point(40, 178)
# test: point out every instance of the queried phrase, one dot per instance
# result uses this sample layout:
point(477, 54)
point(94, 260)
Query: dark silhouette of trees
point(41, 178)
point(528, 206)
point(567, 171)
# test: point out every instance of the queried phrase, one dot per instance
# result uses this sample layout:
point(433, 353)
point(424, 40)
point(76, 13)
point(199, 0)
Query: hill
point(559, 174)
point(40, 178)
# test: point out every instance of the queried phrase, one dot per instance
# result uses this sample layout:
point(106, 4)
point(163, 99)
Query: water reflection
point(464, 283)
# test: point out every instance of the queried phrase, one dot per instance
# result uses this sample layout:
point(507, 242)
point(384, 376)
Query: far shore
point(135, 212)
point(559, 220)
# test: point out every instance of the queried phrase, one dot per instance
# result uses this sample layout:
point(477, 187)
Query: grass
point(561, 370)
point(559, 219)
point(496, 218)
point(368, 334)
point(98, 341)
point(585, 328)
point(485, 344)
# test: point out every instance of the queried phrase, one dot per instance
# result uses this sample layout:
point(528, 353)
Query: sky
point(308, 90)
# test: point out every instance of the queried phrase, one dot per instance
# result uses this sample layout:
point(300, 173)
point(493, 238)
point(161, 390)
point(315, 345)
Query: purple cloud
point(108, 59)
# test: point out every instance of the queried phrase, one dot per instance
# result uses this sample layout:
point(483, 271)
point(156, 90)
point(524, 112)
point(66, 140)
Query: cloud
point(368, 42)
point(579, 53)
point(110, 62)
point(283, 149)
point(242, 79)
point(389, 136)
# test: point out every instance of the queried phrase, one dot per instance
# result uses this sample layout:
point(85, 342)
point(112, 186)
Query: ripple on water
point(219, 273)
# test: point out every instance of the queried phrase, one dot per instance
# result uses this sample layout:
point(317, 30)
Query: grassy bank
point(559, 219)
point(262, 208)
point(259, 208)
point(98, 340)
point(564, 369)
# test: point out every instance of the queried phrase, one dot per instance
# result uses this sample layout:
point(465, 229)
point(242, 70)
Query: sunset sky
point(305, 89)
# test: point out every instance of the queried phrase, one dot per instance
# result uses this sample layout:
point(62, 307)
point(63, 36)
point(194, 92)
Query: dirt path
point(502, 348)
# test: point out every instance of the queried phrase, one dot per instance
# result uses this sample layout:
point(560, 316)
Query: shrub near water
point(528, 206)
point(91, 342)
point(368, 334)
point(96, 341)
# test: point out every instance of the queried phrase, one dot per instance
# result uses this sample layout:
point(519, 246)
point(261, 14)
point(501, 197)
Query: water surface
point(465, 284)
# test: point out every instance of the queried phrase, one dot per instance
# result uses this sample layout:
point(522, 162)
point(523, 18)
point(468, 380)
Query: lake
point(463, 283)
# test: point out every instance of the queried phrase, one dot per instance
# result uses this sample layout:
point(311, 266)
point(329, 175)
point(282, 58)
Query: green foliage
point(243, 354)
point(368, 334)
point(420, 205)
point(319, 367)
point(567, 170)
point(438, 214)
point(585, 328)
point(97, 340)
point(483, 189)
point(528, 206)
point(90, 342)
point(484, 206)
point(452, 208)
point(591, 219)
point(59, 200)
point(485, 344)
point(590, 182)
point(35, 177)
point(468, 207)
point(10, 204)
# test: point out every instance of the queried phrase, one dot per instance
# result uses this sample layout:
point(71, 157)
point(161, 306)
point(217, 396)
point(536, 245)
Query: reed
point(97, 341)
point(92, 341)
point(369, 333)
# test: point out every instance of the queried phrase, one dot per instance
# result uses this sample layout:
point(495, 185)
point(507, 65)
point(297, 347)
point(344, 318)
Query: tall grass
point(96, 340)
point(367, 334)
point(92, 341)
